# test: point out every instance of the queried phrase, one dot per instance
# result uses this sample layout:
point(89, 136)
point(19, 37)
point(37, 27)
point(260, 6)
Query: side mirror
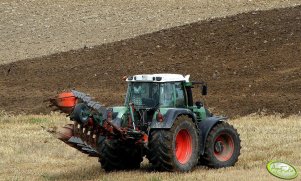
point(204, 90)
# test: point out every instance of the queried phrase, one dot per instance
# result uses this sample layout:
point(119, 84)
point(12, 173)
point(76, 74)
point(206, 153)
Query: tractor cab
point(157, 90)
point(164, 91)
point(154, 94)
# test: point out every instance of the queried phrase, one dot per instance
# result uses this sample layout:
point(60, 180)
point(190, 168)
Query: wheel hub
point(223, 147)
point(218, 147)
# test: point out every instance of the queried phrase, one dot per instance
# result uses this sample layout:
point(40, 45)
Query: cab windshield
point(143, 94)
point(152, 94)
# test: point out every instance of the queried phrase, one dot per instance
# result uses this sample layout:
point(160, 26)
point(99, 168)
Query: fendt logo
point(282, 170)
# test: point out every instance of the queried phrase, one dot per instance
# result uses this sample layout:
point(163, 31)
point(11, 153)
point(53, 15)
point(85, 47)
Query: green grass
point(38, 120)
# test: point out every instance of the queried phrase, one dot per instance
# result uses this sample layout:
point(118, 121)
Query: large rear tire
point(115, 155)
point(176, 149)
point(100, 146)
point(222, 147)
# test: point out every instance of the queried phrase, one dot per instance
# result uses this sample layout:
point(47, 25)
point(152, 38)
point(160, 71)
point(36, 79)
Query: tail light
point(159, 117)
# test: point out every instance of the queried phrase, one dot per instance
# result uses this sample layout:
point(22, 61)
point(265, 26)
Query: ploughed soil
point(251, 62)
point(30, 29)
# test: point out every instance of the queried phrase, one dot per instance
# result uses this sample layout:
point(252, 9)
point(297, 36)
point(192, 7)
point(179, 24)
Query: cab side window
point(167, 95)
point(180, 98)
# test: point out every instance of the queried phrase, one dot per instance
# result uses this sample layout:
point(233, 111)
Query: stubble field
point(28, 152)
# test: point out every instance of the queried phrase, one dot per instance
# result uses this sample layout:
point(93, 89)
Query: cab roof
point(166, 77)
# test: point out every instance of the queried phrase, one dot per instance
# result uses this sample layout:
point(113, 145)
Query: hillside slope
point(251, 62)
point(31, 29)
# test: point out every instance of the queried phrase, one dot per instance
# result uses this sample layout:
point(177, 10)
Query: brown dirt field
point(31, 29)
point(251, 62)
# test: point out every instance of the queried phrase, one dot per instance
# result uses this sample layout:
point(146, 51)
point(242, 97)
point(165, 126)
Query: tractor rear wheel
point(176, 149)
point(115, 155)
point(100, 145)
point(222, 146)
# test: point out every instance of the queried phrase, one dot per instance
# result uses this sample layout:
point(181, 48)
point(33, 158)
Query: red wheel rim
point(183, 146)
point(223, 147)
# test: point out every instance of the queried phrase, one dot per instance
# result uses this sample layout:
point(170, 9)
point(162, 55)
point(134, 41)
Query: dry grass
point(30, 153)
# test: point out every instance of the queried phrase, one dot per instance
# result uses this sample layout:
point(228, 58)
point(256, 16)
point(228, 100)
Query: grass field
point(30, 153)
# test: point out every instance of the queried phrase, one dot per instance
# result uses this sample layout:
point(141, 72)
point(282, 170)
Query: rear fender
point(170, 117)
point(205, 126)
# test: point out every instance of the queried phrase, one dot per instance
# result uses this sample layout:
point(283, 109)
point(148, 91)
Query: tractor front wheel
point(222, 146)
point(176, 149)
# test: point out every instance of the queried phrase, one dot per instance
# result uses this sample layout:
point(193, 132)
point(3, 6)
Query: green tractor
point(158, 120)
